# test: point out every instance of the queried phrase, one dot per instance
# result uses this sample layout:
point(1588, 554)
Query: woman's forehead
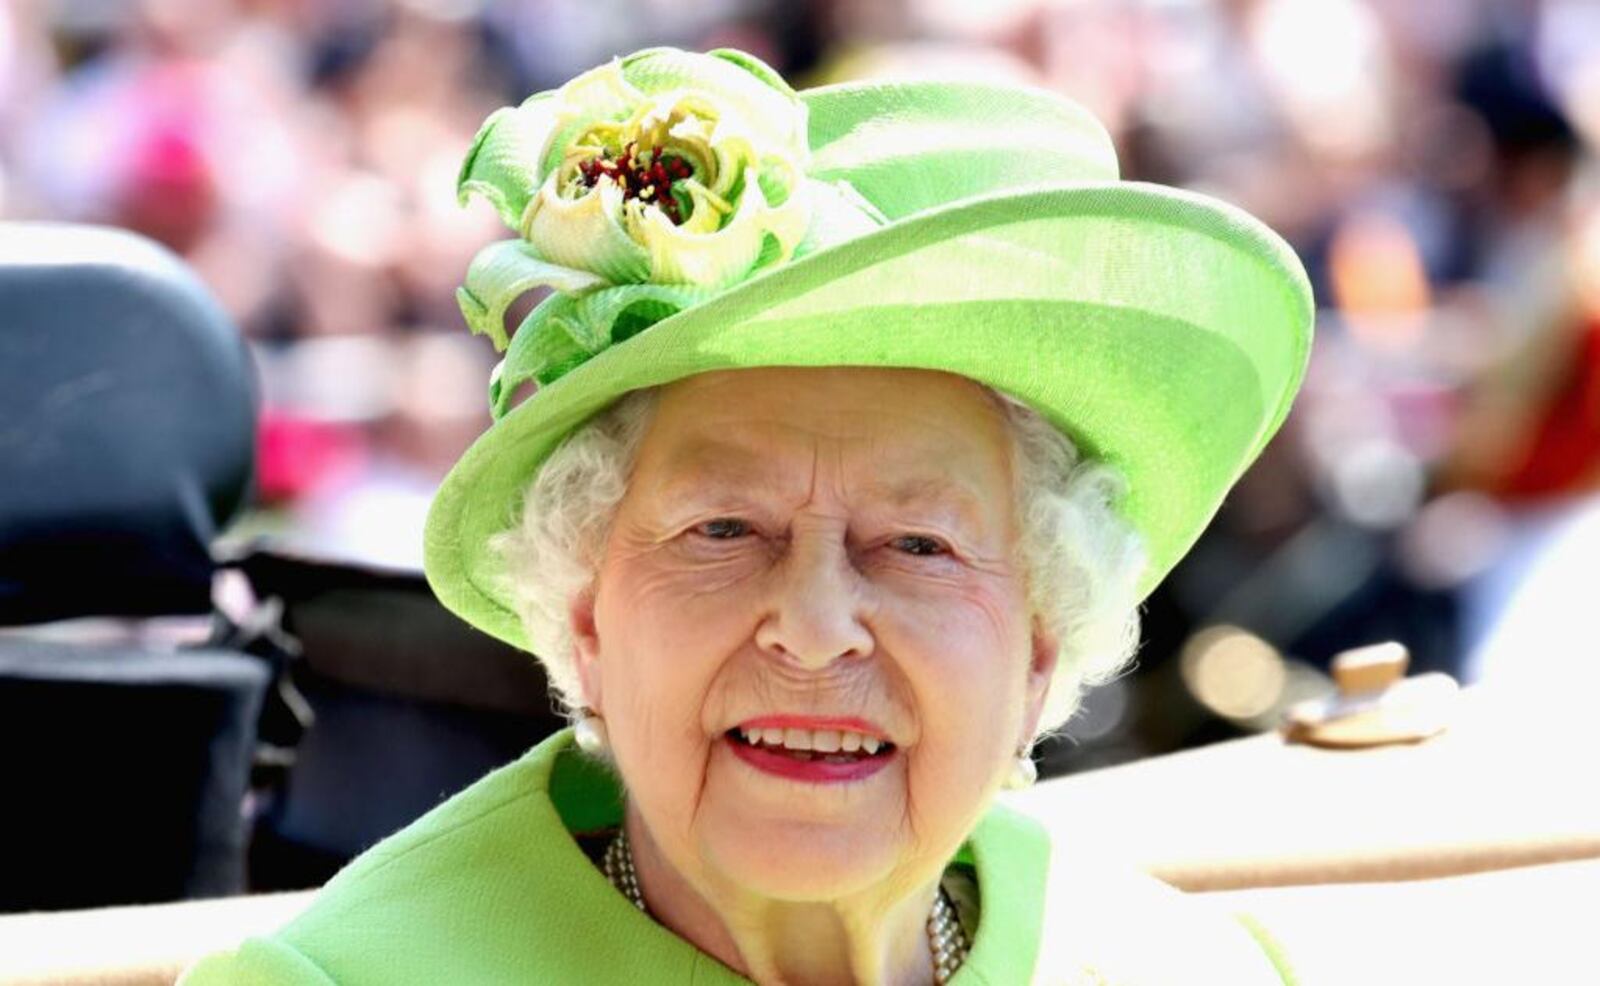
point(897, 436)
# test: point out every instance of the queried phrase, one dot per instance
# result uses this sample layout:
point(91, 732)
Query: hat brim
point(1164, 331)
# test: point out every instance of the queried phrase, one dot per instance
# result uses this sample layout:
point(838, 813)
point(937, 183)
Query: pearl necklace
point(947, 941)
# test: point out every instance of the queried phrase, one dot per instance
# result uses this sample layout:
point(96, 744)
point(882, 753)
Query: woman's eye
point(723, 529)
point(918, 544)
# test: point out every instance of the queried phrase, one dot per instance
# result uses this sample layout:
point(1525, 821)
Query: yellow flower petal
point(732, 120)
point(586, 232)
point(706, 215)
point(733, 158)
point(745, 87)
point(791, 216)
point(722, 257)
point(838, 213)
point(601, 92)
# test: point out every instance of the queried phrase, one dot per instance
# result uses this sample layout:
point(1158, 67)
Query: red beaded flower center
point(647, 176)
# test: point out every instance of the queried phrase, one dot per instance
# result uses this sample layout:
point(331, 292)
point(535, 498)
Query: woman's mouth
point(817, 755)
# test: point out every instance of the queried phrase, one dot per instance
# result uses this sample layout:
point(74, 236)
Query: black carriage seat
point(127, 436)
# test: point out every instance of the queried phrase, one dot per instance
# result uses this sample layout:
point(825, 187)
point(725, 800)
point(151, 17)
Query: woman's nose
point(816, 609)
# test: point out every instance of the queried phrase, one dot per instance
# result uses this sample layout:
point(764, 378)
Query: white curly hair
point(1081, 559)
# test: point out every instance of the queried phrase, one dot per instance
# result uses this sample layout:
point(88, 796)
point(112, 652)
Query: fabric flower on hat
point(640, 188)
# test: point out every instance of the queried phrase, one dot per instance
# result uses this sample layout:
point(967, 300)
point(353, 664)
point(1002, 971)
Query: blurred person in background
point(1529, 435)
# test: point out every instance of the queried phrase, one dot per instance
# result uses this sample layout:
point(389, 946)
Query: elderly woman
point(863, 418)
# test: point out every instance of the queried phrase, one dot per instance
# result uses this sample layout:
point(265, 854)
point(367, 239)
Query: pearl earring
point(1023, 772)
point(590, 733)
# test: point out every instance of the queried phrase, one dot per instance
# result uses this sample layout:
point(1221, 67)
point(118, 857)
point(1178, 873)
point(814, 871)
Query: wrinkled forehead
point(895, 437)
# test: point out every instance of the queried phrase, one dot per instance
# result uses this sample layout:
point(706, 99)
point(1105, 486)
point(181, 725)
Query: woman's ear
point(586, 645)
point(1046, 652)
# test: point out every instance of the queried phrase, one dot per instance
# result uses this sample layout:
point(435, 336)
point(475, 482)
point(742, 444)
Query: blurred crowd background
point(1433, 162)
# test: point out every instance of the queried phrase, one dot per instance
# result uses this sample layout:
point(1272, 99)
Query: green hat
point(694, 213)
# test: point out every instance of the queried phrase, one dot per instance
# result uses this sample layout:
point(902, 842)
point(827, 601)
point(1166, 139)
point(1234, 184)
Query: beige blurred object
point(1532, 924)
point(1505, 786)
point(1376, 704)
point(145, 945)
point(1370, 669)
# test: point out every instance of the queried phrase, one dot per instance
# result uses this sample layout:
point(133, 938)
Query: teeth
point(819, 741)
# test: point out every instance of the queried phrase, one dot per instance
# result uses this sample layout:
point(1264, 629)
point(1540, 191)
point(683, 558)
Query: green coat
point(490, 888)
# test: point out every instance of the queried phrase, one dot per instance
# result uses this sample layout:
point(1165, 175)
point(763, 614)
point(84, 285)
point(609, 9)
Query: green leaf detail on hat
point(566, 330)
point(504, 271)
point(504, 162)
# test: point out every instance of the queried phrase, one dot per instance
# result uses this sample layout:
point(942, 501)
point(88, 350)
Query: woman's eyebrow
point(726, 464)
point(929, 492)
point(712, 462)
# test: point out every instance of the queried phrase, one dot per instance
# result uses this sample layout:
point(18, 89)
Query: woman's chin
point(801, 835)
point(799, 865)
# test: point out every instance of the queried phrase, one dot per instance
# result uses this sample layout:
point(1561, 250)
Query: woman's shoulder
point(1114, 926)
point(480, 863)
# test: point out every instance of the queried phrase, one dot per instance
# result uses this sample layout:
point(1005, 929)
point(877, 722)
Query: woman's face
point(810, 554)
